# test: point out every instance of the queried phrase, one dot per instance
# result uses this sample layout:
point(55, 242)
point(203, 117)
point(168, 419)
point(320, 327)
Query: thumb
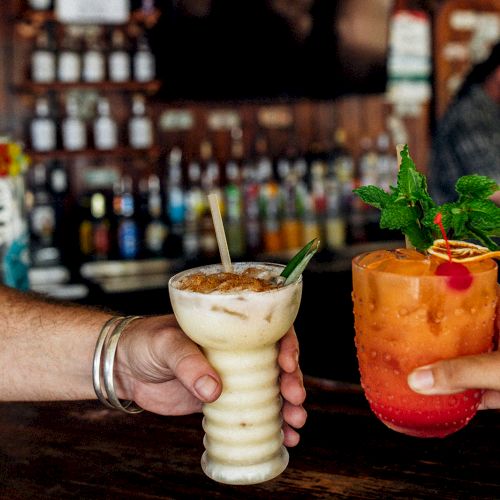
point(480, 371)
point(193, 370)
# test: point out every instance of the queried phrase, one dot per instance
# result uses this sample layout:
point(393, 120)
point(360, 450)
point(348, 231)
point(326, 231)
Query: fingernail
point(205, 387)
point(421, 379)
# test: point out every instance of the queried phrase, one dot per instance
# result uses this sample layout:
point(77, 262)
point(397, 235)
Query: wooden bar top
point(82, 450)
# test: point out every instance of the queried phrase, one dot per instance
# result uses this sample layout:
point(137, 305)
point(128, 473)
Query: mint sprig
point(409, 208)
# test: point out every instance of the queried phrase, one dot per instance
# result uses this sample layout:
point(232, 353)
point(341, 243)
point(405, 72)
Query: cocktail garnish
point(459, 277)
point(409, 208)
point(299, 262)
point(438, 220)
point(462, 251)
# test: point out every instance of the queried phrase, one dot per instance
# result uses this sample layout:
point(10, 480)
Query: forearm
point(46, 349)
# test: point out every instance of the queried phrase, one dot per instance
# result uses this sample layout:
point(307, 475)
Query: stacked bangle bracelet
point(103, 364)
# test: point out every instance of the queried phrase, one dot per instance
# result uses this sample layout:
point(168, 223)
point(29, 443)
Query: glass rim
point(180, 274)
point(355, 263)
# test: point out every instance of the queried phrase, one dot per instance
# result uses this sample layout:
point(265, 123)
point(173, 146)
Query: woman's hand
point(163, 371)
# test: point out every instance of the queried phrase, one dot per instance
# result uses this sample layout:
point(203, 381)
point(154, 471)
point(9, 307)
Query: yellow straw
point(399, 148)
point(219, 233)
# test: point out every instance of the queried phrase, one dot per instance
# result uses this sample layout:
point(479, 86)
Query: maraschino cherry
point(459, 277)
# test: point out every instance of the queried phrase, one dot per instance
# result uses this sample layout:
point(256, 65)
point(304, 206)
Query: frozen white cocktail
point(237, 318)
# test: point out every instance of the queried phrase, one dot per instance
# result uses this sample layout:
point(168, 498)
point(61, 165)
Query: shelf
point(123, 152)
point(40, 17)
point(105, 86)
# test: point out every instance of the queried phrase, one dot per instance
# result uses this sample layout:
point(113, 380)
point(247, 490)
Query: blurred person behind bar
point(467, 138)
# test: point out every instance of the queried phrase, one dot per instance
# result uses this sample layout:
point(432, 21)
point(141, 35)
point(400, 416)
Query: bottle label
point(156, 233)
point(105, 133)
point(73, 134)
point(43, 67)
point(119, 67)
point(144, 67)
point(43, 135)
point(127, 239)
point(93, 67)
point(69, 67)
point(141, 133)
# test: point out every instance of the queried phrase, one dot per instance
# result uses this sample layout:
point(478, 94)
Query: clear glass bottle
point(144, 62)
point(105, 127)
point(74, 133)
point(43, 127)
point(94, 62)
point(119, 58)
point(69, 63)
point(43, 59)
point(140, 126)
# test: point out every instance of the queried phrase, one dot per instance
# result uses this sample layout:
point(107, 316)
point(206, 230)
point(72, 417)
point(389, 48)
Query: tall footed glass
point(238, 330)
point(407, 316)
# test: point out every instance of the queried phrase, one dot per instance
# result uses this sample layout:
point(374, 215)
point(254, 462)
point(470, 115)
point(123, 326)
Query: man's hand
point(481, 371)
point(163, 371)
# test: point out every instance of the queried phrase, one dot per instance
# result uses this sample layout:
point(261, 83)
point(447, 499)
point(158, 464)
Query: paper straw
point(399, 148)
point(219, 233)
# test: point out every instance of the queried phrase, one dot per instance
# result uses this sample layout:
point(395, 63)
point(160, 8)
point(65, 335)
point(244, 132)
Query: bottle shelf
point(40, 17)
point(122, 152)
point(104, 86)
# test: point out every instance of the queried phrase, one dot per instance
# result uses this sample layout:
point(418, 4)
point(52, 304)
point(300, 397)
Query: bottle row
point(73, 132)
point(268, 205)
point(89, 54)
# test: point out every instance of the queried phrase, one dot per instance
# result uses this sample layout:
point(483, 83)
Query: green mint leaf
point(397, 217)
point(475, 187)
point(409, 208)
point(374, 196)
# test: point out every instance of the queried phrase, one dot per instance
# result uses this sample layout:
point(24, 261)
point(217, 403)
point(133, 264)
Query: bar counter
point(82, 450)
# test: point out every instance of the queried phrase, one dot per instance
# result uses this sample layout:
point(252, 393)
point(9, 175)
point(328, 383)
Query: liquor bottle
point(127, 230)
point(233, 199)
point(335, 224)
point(196, 205)
point(368, 169)
point(291, 224)
point(210, 184)
point(119, 58)
point(69, 63)
point(42, 220)
point(311, 226)
point(105, 128)
point(175, 202)
point(318, 170)
point(341, 168)
point(43, 59)
point(43, 127)
point(85, 229)
point(387, 163)
point(144, 62)
point(155, 229)
point(140, 126)
point(101, 231)
point(94, 62)
point(74, 133)
point(58, 186)
point(251, 192)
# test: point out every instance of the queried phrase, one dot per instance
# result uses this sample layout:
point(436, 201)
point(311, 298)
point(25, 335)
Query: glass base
point(245, 474)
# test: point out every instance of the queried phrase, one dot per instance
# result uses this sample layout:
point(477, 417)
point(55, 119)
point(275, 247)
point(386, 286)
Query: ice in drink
point(238, 319)
point(407, 316)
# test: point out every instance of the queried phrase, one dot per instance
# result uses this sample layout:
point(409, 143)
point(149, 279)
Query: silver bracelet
point(103, 365)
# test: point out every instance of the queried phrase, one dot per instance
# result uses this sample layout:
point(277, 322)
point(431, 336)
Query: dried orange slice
point(462, 251)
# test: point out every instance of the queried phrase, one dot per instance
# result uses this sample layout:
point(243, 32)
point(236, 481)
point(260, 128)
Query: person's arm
point(46, 349)
point(46, 353)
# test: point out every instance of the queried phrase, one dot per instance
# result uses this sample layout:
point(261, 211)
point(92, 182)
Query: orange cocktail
point(408, 316)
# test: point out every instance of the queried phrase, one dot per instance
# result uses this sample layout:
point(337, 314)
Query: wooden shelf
point(123, 152)
point(104, 86)
point(40, 17)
